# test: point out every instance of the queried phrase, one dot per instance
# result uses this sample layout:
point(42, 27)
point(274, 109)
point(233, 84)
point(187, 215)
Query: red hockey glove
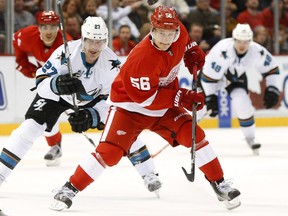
point(194, 56)
point(29, 71)
point(186, 98)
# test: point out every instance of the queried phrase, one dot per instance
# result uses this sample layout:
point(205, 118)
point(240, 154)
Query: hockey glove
point(87, 118)
point(271, 97)
point(194, 56)
point(66, 85)
point(186, 98)
point(211, 102)
point(29, 70)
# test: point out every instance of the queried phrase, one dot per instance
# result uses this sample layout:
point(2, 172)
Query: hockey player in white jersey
point(95, 66)
point(227, 65)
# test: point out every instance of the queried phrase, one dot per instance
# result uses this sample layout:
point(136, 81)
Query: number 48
point(141, 83)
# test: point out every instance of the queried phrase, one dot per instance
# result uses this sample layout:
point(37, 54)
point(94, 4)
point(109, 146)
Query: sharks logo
point(62, 58)
point(236, 77)
point(224, 54)
point(115, 64)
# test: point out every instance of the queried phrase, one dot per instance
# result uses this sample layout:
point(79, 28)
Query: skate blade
point(58, 206)
point(232, 204)
point(157, 193)
point(256, 152)
point(51, 163)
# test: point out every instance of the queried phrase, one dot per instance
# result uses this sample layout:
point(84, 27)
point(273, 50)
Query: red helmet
point(48, 17)
point(165, 17)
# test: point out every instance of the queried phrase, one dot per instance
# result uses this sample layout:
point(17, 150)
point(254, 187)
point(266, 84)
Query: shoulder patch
point(115, 64)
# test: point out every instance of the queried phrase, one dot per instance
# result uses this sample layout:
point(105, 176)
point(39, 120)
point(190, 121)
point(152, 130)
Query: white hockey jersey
point(223, 66)
point(96, 78)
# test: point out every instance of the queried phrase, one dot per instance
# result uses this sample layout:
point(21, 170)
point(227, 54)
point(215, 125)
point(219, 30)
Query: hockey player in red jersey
point(146, 95)
point(40, 41)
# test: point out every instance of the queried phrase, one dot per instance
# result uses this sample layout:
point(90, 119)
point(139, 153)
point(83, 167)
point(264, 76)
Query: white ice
point(262, 180)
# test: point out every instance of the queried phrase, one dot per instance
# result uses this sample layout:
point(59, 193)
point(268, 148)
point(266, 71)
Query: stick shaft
point(67, 52)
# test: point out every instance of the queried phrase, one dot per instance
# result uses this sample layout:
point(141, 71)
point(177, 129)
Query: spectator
point(268, 16)
point(41, 8)
point(139, 16)
point(261, 36)
point(89, 8)
point(216, 4)
point(31, 5)
point(231, 21)
point(144, 30)
point(23, 18)
point(252, 15)
point(196, 34)
point(120, 15)
point(2, 25)
point(73, 24)
point(283, 40)
point(206, 16)
point(71, 8)
point(122, 45)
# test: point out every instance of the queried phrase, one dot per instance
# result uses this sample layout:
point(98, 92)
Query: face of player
point(48, 34)
point(163, 38)
point(241, 46)
point(92, 49)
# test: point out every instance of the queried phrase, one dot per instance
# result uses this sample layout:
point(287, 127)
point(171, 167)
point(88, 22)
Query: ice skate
point(229, 196)
point(152, 183)
point(63, 197)
point(2, 213)
point(53, 156)
point(254, 145)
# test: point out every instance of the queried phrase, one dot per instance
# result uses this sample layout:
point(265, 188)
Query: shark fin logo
point(3, 98)
point(115, 64)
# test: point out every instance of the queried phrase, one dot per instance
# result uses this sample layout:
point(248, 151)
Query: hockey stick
point(67, 53)
point(89, 139)
point(164, 147)
point(191, 176)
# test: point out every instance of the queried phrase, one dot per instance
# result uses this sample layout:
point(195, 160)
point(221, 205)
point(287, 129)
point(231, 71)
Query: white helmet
point(94, 28)
point(242, 32)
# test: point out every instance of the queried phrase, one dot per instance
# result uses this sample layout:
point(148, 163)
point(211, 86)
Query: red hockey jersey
point(26, 42)
point(147, 82)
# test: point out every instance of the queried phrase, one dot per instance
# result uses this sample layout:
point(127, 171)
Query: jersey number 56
point(141, 83)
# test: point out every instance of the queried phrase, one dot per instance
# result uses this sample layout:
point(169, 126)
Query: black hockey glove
point(66, 85)
point(271, 97)
point(87, 118)
point(211, 102)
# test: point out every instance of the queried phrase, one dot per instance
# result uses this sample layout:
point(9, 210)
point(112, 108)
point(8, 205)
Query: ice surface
point(120, 191)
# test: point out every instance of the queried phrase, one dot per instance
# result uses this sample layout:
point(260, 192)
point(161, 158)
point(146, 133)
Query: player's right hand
point(211, 102)
point(86, 118)
point(66, 85)
point(186, 98)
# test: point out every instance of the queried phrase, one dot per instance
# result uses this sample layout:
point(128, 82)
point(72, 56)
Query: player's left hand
point(271, 97)
point(194, 56)
point(186, 98)
point(86, 118)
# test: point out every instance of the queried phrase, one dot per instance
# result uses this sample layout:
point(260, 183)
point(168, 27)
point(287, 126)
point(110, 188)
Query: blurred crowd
point(131, 19)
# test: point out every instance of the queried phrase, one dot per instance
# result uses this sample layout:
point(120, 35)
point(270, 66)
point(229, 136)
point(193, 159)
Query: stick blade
point(190, 176)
